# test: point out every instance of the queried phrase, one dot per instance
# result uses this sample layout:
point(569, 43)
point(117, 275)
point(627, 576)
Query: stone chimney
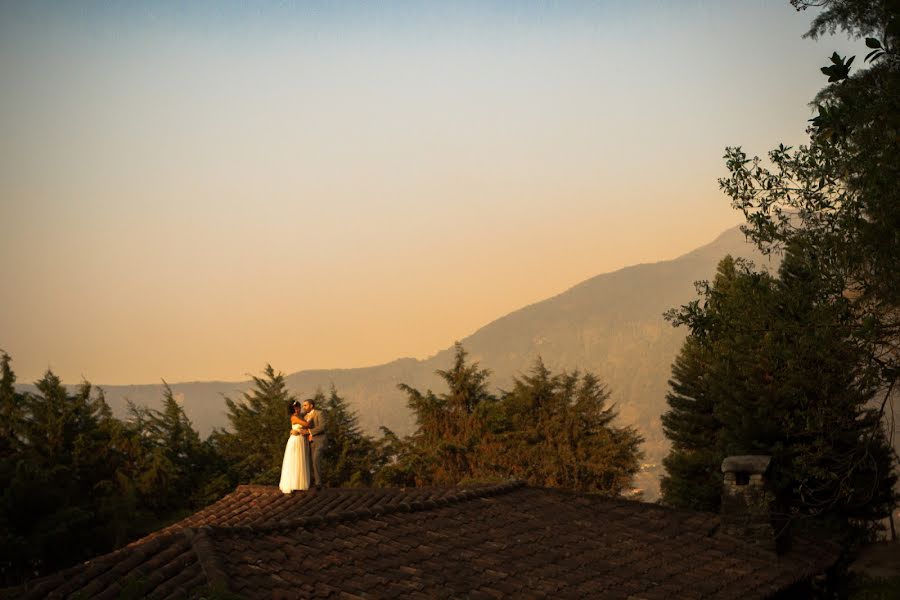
point(747, 504)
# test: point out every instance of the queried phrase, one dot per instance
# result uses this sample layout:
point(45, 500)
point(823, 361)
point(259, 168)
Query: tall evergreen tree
point(11, 409)
point(837, 441)
point(691, 478)
point(73, 472)
point(176, 464)
point(716, 372)
point(350, 457)
point(62, 482)
point(254, 449)
point(558, 431)
point(838, 194)
point(769, 368)
point(550, 430)
point(396, 461)
point(123, 512)
point(837, 198)
point(442, 450)
point(13, 545)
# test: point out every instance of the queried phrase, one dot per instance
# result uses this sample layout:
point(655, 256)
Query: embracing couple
point(305, 447)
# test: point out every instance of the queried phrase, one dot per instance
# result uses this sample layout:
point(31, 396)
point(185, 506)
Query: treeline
point(802, 365)
point(78, 482)
point(551, 430)
point(770, 368)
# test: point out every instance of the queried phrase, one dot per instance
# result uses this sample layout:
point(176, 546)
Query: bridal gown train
point(295, 467)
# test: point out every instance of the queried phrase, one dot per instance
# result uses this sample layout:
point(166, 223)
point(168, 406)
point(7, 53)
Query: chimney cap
point(749, 463)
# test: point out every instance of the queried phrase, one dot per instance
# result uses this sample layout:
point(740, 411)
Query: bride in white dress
point(295, 467)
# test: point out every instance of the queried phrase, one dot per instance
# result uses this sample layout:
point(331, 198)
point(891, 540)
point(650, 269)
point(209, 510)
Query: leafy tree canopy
point(838, 194)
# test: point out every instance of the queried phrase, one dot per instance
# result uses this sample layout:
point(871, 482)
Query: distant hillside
point(611, 324)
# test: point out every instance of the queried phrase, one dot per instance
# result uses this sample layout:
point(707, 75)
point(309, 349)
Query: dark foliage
point(254, 448)
point(802, 366)
point(769, 368)
point(351, 458)
point(549, 430)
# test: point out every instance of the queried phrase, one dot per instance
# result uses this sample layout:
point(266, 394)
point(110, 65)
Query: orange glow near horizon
point(191, 196)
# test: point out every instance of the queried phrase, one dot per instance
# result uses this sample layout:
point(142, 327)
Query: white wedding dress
point(295, 467)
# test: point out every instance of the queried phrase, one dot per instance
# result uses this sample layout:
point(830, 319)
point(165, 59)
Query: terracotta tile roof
point(488, 542)
point(256, 505)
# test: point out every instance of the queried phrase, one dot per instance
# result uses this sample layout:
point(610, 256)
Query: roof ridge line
point(249, 487)
point(463, 495)
point(209, 561)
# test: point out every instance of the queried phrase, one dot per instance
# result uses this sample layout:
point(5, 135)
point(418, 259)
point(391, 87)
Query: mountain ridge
point(610, 324)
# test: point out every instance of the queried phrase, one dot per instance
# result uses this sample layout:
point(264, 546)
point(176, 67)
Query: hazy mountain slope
point(611, 324)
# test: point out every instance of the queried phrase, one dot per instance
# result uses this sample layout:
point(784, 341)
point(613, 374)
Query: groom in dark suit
point(318, 439)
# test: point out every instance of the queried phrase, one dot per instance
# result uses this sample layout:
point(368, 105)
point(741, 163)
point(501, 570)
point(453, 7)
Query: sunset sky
point(190, 193)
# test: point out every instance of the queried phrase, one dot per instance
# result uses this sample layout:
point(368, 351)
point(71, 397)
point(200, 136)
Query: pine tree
point(692, 479)
point(558, 432)
point(121, 512)
point(11, 410)
point(254, 449)
point(396, 461)
point(175, 462)
point(715, 376)
point(350, 458)
point(550, 430)
point(837, 195)
point(442, 451)
point(62, 483)
point(13, 544)
point(75, 472)
point(839, 452)
point(770, 368)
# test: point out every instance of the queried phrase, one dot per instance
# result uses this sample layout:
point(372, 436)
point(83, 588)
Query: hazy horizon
point(190, 193)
